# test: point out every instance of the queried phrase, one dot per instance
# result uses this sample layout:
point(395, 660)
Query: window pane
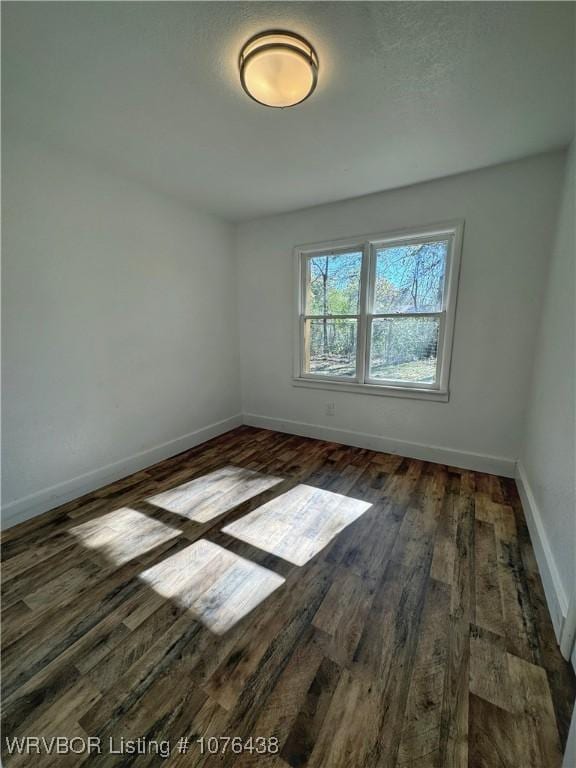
point(404, 349)
point(410, 278)
point(330, 347)
point(334, 284)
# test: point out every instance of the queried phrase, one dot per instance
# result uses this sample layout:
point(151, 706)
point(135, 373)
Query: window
point(376, 314)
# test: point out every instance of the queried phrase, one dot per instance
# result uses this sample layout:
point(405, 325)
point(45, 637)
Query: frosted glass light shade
point(278, 69)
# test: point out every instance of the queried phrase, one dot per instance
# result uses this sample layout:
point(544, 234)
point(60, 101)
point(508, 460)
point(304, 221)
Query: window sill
point(412, 393)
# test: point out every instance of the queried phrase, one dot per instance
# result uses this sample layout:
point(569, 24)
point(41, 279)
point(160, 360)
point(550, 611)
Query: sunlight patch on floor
point(299, 523)
point(123, 534)
point(217, 586)
point(211, 495)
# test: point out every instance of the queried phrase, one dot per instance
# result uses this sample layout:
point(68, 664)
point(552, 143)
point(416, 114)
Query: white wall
point(120, 330)
point(510, 213)
point(119, 327)
point(548, 457)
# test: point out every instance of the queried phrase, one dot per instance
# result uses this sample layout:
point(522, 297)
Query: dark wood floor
point(360, 608)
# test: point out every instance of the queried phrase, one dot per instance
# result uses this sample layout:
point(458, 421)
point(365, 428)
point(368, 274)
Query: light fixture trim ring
point(310, 56)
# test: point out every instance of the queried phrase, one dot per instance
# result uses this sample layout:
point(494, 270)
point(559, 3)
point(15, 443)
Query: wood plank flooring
point(350, 607)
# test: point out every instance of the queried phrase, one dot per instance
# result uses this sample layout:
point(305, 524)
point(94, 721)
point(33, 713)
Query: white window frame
point(368, 244)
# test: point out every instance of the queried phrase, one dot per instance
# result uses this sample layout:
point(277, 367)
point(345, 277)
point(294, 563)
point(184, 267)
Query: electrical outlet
point(330, 409)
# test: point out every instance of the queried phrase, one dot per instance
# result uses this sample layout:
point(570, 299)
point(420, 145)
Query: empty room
point(288, 384)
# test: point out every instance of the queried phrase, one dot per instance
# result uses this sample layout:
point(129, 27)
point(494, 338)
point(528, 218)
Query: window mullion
point(331, 317)
point(401, 315)
point(304, 282)
point(361, 343)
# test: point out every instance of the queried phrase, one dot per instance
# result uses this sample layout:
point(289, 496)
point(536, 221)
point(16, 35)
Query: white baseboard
point(36, 503)
point(556, 597)
point(494, 465)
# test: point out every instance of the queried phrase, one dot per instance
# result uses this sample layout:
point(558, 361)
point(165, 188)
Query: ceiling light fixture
point(278, 69)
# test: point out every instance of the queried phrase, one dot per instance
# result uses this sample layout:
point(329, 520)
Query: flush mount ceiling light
point(278, 69)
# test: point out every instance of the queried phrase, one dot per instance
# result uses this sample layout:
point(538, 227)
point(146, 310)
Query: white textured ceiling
point(407, 92)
